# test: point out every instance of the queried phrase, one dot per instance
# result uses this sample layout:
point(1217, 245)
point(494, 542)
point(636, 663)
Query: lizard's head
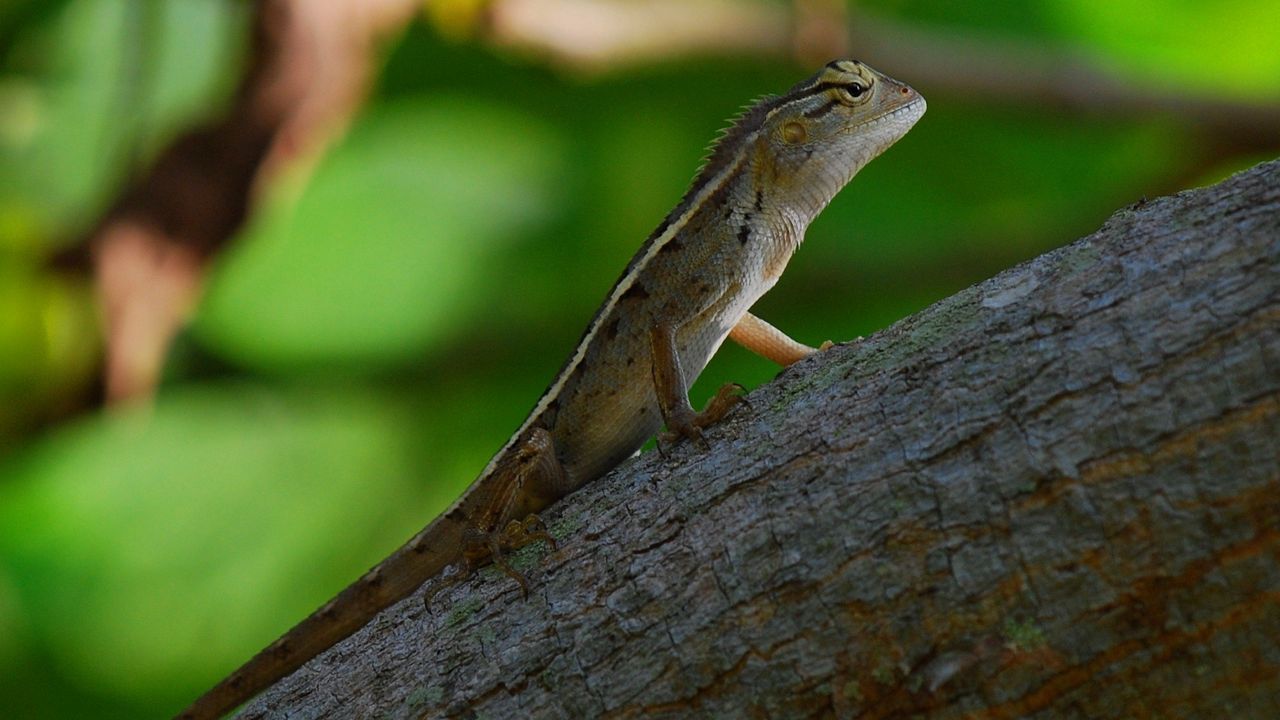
point(812, 140)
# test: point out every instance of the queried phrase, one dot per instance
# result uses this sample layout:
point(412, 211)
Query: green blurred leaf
point(1229, 47)
point(48, 344)
point(90, 102)
point(384, 250)
point(156, 539)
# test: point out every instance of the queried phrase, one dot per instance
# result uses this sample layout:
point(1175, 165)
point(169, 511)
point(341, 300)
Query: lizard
point(689, 287)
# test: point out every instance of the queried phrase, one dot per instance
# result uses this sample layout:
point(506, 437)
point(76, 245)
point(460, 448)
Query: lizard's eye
point(855, 91)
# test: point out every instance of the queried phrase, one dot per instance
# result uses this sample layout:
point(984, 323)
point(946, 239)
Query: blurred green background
point(377, 330)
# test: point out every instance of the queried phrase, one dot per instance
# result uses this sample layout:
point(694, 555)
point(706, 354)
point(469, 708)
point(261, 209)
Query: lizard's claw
point(519, 533)
point(533, 528)
point(728, 396)
point(674, 435)
point(500, 560)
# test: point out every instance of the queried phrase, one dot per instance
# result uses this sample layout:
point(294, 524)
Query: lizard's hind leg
point(534, 479)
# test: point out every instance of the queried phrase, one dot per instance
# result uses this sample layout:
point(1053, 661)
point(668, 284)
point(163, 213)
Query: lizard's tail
point(424, 556)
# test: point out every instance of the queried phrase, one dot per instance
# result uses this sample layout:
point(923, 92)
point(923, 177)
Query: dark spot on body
point(635, 292)
point(611, 330)
point(759, 200)
point(670, 245)
point(744, 233)
point(630, 361)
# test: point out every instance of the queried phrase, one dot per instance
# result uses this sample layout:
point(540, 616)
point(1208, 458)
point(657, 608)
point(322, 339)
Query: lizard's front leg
point(769, 342)
point(673, 390)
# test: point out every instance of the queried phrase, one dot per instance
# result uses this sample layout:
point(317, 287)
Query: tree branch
point(306, 73)
point(596, 35)
point(1057, 491)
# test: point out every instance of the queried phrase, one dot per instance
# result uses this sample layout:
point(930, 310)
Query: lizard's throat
point(813, 196)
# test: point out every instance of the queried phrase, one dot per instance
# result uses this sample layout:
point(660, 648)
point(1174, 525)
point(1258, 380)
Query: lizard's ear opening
point(794, 132)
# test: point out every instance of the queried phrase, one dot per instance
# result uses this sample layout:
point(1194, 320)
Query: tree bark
point(1054, 494)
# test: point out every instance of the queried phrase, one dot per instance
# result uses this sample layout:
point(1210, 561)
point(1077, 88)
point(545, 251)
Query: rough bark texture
point(1055, 494)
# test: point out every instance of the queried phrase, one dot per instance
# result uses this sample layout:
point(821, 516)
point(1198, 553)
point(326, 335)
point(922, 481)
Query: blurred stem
point(308, 70)
point(605, 35)
point(1022, 72)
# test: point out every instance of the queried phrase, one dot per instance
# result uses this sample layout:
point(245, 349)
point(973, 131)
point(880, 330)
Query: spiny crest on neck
point(727, 148)
point(729, 143)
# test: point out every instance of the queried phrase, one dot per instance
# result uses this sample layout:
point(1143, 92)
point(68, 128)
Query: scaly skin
point(688, 288)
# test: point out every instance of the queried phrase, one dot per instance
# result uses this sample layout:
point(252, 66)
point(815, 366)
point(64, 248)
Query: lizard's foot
point(519, 533)
point(726, 398)
point(497, 545)
point(682, 424)
point(690, 425)
point(500, 561)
